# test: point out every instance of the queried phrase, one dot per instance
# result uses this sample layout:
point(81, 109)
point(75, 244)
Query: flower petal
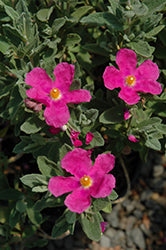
point(64, 74)
point(77, 96)
point(79, 200)
point(126, 59)
point(38, 95)
point(39, 79)
point(148, 86)
point(112, 78)
point(147, 70)
point(57, 114)
point(103, 164)
point(60, 185)
point(129, 95)
point(89, 138)
point(77, 162)
point(132, 138)
point(103, 186)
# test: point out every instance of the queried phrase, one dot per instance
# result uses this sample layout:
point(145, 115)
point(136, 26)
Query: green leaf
point(153, 143)
point(50, 201)
point(34, 216)
point(108, 208)
point(112, 115)
point(102, 18)
point(80, 12)
point(32, 125)
point(46, 167)
point(96, 49)
point(147, 124)
point(100, 203)
point(70, 217)
point(35, 180)
point(113, 196)
point(44, 14)
point(20, 206)
point(13, 34)
point(6, 89)
point(11, 12)
point(60, 227)
point(97, 140)
point(10, 194)
point(4, 45)
point(142, 48)
point(13, 217)
point(140, 9)
point(154, 5)
point(155, 31)
point(91, 226)
point(57, 24)
point(64, 150)
point(72, 39)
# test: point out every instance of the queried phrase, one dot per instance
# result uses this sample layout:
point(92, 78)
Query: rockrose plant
point(82, 92)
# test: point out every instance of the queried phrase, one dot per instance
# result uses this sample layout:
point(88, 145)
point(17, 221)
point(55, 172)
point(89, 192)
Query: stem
point(15, 158)
point(127, 182)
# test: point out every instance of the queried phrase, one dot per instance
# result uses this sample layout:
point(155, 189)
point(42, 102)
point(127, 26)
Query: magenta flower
point(87, 180)
point(131, 79)
point(74, 138)
point(89, 138)
point(55, 131)
point(55, 94)
point(132, 138)
point(103, 224)
point(126, 114)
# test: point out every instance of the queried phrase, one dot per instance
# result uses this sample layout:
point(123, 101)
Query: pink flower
point(55, 94)
point(131, 79)
point(103, 224)
point(132, 138)
point(126, 114)
point(55, 131)
point(87, 180)
point(89, 137)
point(74, 138)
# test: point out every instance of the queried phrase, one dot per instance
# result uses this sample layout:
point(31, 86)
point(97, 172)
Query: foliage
point(87, 34)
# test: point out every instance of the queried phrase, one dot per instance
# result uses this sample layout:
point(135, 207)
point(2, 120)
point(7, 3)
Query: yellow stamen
point(55, 93)
point(130, 80)
point(86, 181)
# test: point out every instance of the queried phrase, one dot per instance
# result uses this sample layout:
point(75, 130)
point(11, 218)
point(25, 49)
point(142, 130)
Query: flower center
point(130, 80)
point(55, 93)
point(86, 181)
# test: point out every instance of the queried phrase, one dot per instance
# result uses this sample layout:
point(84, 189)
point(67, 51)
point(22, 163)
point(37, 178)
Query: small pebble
point(158, 170)
point(138, 238)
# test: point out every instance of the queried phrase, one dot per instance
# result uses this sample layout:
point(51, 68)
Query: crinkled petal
point(129, 95)
point(77, 143)
point(77, 162)
point(39, 79)
point(57, 114)
point(79, 200)
point(64, 74)
point(148, 86)
point(103, 186)
point(112, 78)
point(89, 138)
point(103, 164)
point(147, 70)
point(39, 96)
point(126, 59)
point(77, 96)
point(60, 185)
